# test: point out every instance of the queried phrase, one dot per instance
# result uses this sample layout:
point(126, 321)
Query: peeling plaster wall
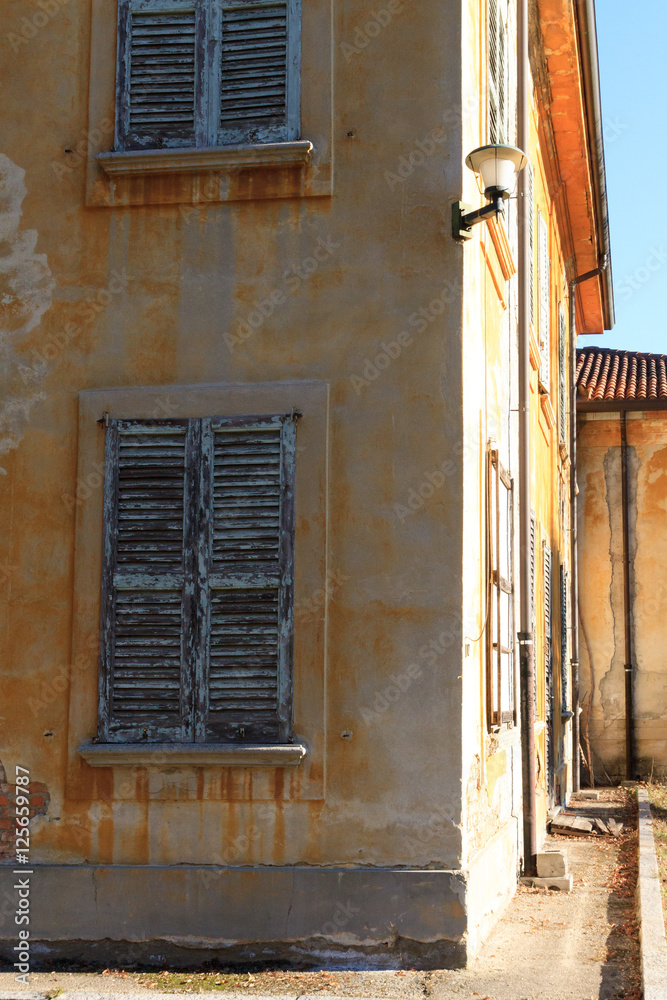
point(26, 291)
point(602, 637)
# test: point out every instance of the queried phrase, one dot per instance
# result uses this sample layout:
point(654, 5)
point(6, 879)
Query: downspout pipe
point(574, 490)
point(525, 637)
point(588, 46)
point(627, 608)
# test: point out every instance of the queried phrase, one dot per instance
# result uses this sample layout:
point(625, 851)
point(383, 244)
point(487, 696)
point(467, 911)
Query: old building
point(288, 469)
point(622, 460)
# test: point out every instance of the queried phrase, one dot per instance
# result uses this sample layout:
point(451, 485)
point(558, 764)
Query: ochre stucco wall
point(158, 296)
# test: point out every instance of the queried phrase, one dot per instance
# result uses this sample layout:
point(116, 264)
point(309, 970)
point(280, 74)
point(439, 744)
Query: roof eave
point(587, 34)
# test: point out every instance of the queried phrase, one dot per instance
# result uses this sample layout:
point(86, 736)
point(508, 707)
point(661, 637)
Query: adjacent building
point(622, 451)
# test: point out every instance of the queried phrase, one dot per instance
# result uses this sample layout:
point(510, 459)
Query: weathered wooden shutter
point(564, 672)
point(548, 676)
point(545, 301)
point(260, 57)
point(498, 70)
point(162, 74)
point(147, 587)
point(493, 74)
point(245, 687)
point(530, 208)
point(562, 375)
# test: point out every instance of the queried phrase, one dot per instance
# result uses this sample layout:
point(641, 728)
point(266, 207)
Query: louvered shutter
point(259, 71)
point(548, 676)
point(498, 71)
point(246, 686)
point(530, 208)
point(545, 301)
point(145, 685)
point(562, 375)
point(493, 74)
point(161, 73)
point(547, 624)
point(564, 674)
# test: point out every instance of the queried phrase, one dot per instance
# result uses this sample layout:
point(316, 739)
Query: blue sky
point(631, 41)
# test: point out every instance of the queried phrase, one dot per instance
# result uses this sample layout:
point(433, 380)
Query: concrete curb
point(651, 920)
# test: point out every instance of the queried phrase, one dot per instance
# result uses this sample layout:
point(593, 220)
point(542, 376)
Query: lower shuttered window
point(197, 593)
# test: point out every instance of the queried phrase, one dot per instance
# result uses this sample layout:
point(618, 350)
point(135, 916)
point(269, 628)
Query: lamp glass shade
point(498, 166)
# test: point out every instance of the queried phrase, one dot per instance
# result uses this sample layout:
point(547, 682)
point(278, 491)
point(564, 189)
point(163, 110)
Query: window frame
point(198, 572)
point(500, 713)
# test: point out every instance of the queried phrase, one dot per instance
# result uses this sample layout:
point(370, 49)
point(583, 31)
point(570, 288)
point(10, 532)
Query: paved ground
point(548, 945)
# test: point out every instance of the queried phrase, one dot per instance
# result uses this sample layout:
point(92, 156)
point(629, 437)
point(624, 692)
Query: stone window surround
point(299, 169)
point(311, 398)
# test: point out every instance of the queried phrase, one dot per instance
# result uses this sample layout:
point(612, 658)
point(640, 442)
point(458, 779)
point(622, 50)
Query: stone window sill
point(296, 169)
point(142, 163)
point(192, 754)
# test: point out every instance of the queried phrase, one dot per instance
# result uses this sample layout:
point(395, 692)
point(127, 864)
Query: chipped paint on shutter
point(161, 74)
point(147, 581)
point(260, 67)
point(246, 678)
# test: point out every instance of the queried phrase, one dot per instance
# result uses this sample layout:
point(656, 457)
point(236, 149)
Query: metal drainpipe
point(628, 609)
point(574, 571)
point(526, 651)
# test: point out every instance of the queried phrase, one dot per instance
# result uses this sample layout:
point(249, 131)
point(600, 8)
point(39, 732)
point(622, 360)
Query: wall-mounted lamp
point(498, 167)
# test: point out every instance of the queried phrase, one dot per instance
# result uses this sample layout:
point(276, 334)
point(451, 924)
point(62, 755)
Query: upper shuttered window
point(500, 111)
point(201, 73)
point(197, 597)
point(544, 303)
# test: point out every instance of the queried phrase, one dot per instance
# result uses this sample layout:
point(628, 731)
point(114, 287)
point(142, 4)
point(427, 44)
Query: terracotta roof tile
point(605, 374)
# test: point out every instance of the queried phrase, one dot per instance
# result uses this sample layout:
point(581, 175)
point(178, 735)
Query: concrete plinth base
point(179, 916)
